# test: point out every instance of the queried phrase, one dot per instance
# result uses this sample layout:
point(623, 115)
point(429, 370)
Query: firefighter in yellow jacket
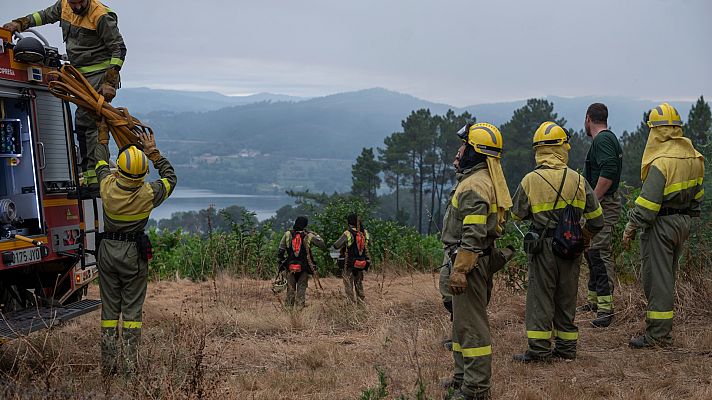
point(124, 248)
point(96, 48)
point(542, 197)
point(472, 224)
point(672, 172)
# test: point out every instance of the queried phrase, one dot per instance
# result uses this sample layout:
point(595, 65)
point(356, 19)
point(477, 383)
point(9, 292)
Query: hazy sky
point(454, 51)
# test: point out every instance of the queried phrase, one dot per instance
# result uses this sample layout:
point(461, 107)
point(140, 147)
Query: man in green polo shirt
point(604, 163)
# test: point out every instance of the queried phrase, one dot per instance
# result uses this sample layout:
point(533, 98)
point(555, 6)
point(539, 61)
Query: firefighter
point(553, 279)
point(96, 48)
point(672, 172)
point(473, 221)
point(124, 248)
point(354, 245)
point(296, 260)
point(604, 164)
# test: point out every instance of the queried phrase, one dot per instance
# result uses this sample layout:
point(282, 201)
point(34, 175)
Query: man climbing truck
point(96, 48)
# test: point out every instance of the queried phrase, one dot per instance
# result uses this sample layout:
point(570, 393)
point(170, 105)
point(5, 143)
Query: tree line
point(415, 163)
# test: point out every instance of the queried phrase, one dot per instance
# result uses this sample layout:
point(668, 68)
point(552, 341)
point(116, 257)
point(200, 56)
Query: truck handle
point(43, 156)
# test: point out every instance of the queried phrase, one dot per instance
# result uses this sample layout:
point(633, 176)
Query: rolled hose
point(70, 85)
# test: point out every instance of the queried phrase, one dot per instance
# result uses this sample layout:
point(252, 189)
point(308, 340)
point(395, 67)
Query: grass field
point(230, 339)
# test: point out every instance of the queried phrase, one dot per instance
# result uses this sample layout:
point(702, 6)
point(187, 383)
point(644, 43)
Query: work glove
point(149, 146)
point(103, 132)
point(108, 91)
point(18, 25)
point(465, 261)
point(629, 234)
point(109, 84)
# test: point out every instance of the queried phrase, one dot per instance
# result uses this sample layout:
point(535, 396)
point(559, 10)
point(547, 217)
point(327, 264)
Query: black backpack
point(568, 240)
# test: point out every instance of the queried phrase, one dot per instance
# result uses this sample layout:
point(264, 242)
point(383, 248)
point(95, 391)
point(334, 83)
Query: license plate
point(26, 256)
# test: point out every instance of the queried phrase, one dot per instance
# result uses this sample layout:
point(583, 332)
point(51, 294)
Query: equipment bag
point(297, 252)
point(359, 255)
point(567, 240)
point(295, 267)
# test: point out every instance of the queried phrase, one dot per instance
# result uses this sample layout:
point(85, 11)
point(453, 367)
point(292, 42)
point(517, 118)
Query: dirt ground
point(231, 339)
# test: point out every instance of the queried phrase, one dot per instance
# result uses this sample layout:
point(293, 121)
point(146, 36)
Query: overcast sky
point(459, 52)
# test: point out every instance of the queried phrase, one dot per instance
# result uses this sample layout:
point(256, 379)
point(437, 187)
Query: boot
point(529, 357)
point(109, 351)
point(562, 356)
point(641, 342)
point(588, 307)
point(131, 340)
point(603, 319)
point(460, 395)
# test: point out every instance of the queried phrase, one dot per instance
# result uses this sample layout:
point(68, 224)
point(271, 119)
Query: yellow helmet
point(550, 134)
point(132, 162)
point(664, 114)
point(484, 138)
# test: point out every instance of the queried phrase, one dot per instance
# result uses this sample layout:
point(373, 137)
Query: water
point(190, 199)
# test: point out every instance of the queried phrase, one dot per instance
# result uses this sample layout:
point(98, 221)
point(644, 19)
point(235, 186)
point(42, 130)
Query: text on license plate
point(26, 256)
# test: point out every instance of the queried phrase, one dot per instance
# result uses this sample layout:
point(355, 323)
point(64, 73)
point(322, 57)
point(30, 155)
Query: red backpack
point(297, 254)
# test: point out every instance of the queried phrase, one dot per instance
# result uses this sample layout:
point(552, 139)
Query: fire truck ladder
point(85, 256)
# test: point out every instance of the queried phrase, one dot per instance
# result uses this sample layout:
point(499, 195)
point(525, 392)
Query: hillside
point(231, 339)
point(271, 146)
point(145, 100)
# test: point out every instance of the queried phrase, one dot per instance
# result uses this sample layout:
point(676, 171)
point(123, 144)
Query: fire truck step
point(24, 322)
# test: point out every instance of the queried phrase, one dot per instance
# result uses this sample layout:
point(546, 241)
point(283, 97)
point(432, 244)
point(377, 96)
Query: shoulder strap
point(558, 194)
point(578, 183)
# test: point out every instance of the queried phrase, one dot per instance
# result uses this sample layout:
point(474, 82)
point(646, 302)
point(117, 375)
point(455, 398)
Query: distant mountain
point(145, 100)
point(335, 126)
point(267, 145)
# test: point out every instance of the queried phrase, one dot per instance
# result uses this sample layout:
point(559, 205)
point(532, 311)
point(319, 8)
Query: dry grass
point(231, 339)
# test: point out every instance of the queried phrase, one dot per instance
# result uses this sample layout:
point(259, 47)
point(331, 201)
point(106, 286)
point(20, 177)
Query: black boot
point(529, 357)
point(460, 395)
point(603, 319)
point(562, 356)
point(641, 342)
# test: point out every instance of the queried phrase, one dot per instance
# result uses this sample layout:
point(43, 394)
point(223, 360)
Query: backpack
point(358, 257)
point(297, 252)
point(568, 242)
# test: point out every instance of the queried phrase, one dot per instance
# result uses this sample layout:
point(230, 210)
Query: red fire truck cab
point(45, 235)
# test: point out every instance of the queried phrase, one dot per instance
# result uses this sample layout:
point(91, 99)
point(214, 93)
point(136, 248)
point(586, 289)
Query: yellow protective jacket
point(128, 204)
point(93, 40)
point(471, 219)
point(535, 198)
point(670, 184)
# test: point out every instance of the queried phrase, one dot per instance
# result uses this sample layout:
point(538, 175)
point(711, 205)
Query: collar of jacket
point(464, 174)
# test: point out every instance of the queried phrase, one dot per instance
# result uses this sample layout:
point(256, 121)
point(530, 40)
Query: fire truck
point(46, 233)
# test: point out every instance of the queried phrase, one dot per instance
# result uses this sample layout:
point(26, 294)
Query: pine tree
point(699, 123)
point(633, 145)
point(364, 176)
point(518, 156)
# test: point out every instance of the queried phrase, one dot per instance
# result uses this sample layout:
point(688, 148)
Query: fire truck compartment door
point(53, 135)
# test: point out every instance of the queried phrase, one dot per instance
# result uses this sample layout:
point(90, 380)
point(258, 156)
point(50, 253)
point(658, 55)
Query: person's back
point(544, 196)
point(542, 185)
point(124, 248)
point(672, 171)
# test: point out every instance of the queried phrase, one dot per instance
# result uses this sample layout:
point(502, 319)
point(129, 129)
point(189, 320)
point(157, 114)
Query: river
point(190, 199)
